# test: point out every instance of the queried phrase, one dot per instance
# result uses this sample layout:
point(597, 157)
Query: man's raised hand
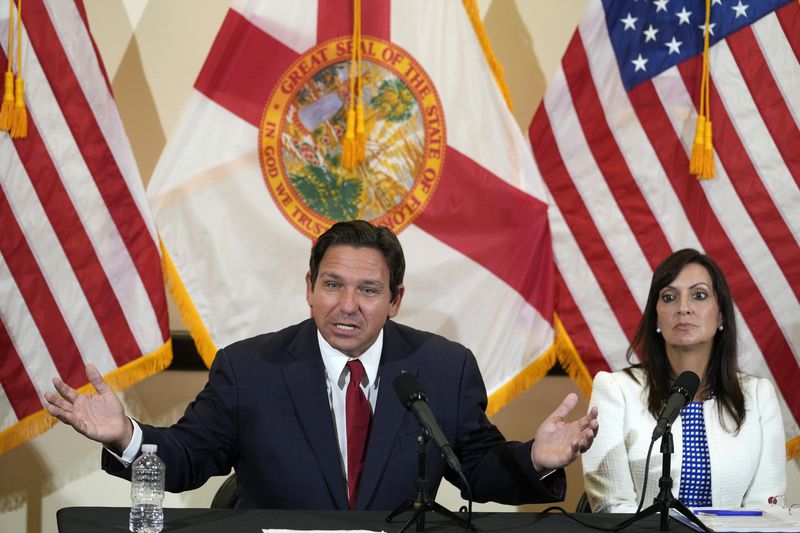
point(559, 442)
point(100, 417)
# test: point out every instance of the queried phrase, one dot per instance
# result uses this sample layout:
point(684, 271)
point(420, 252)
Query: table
point(115, 519)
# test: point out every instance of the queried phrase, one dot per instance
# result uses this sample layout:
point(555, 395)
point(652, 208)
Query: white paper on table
point(771, 519)
point(320, 531)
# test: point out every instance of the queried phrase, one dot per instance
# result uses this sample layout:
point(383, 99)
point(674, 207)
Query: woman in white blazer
point(729, 442)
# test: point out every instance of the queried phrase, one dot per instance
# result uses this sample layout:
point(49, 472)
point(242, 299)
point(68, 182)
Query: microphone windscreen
point(406, 387)
point(687, 383)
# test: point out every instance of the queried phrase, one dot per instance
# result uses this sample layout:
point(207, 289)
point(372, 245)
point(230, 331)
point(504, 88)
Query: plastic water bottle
point(147, 492)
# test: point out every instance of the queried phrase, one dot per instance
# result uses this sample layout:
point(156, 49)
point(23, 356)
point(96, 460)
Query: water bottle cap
point(149, 448)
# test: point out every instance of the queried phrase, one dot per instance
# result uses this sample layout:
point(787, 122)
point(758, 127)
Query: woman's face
point(688, 311)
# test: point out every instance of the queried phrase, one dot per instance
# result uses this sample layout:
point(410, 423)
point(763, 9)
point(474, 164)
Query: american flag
point(80, 267)
point(612, 139)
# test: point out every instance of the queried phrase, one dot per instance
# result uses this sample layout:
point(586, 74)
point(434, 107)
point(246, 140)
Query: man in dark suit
point(282, 410)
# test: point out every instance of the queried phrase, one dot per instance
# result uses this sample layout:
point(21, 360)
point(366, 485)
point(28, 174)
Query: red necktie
point(358, 418)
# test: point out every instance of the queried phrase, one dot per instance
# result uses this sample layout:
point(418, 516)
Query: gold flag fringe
point(121, 378)
point(202, 339)
point(563, 351)
point(522, 381)
point(471, 7)
point(29, 427)
point(138, 369)
point(793, 446)
point(570, 359)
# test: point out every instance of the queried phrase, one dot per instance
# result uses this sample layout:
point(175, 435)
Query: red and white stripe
point(80, 274)
point(616, 165)
point(479, 256)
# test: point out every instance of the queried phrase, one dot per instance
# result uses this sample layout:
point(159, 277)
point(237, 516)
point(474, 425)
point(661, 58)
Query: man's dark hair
point(722, 373)
point(362, 234)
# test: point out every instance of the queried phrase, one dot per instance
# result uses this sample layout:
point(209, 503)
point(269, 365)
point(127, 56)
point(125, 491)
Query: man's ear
point(309, 290)
point(394, 306)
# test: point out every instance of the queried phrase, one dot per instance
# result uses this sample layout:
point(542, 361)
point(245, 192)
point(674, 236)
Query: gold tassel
point(696, 161)
point(361, 132)
point(349, 144)
point(708, 144)
point(701, 162)
point(7, 109)
point(708, 155)
point(19, 123)
point(349, 152)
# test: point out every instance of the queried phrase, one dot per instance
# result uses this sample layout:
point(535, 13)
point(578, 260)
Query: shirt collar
point(335, 361)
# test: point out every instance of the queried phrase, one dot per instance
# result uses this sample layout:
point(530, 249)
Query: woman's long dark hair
point(722, 372)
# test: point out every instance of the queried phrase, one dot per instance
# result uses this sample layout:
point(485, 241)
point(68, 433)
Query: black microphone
point(416, 401)
point(681, 393)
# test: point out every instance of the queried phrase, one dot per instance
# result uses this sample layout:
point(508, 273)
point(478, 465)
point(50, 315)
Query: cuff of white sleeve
point(130, 453)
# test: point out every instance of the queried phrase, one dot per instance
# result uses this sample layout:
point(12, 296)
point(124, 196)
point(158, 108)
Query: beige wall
point(152, 51)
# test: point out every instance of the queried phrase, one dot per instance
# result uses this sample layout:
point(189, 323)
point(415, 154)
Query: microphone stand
point(665, 500)
point(423, 503)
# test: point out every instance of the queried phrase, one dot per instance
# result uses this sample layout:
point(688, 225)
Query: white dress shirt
point(337, 378)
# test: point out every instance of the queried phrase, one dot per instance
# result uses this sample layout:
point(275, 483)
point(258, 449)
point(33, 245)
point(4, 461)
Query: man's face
point(351, 300)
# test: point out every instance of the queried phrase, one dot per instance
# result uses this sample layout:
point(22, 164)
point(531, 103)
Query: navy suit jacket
point(266, 413)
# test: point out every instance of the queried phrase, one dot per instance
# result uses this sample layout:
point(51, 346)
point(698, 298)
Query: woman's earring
point(720, 327)
point(658, 330)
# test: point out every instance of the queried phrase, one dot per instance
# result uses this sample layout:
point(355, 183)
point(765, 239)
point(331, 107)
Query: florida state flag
point(289, 131)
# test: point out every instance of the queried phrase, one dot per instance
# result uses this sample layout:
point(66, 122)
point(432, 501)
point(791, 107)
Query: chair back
point(227, 495)
point(583, 505)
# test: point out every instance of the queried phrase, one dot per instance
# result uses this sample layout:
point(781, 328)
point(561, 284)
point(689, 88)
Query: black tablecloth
point(111, 519)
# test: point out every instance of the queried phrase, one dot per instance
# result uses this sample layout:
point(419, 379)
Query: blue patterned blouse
point(695, 489)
